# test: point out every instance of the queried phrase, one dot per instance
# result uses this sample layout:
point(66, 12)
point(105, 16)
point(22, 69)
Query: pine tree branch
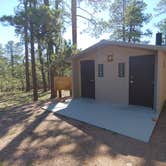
point(87, 19)
point(85, 11)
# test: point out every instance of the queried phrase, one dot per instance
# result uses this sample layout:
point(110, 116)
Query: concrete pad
point(132, 121)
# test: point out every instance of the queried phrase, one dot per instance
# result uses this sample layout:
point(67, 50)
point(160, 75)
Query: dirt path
point(31, 136)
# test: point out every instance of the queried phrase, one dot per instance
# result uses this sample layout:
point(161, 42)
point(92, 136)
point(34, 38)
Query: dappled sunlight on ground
point(31, 136)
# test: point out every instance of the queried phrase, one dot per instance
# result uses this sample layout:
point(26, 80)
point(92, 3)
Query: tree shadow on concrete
point(62, 135)
point(152, 152)
point(59, 137)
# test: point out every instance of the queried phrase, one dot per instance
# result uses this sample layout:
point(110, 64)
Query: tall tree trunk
point(27, 75)
point(46, 2)
point(48, 73)
point(12, 60)
point(51, 70)
point(34, 77)
point(53, 92)
point(74, 21)
point(124, 27)
point(33, 64)
point(57, 2)
point(10, 49)
point(42, 66)
point(130, 37)
point(50, 67)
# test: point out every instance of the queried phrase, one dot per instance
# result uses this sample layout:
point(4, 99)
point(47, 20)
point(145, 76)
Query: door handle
point(131, 82)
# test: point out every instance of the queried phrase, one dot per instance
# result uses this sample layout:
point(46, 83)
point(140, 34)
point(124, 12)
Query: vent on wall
point(100, 70)
point(158, 39)
point(121, 70)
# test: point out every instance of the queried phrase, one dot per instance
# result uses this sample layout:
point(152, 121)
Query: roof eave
point(115, 43)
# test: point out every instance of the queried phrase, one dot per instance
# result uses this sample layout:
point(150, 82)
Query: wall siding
point(161, 83)
point(110, 87)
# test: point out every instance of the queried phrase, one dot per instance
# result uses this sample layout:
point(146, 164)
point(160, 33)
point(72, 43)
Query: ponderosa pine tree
point(161, 11)
point(127, 19)
point(74, 22)
point(94, 24)
point(27, 75)
point(32, 7)
point(134, 20)
point(10, 52)
point(11, 73)
point(20, 22)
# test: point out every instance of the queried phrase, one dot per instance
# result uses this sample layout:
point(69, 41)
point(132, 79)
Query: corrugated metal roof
point(120, 44)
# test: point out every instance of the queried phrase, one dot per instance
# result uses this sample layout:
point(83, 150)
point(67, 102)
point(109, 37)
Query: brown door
point(88, 79)
point(141, 80)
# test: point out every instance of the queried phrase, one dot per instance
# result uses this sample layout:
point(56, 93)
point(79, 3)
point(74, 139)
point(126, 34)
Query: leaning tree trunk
point(34, 77)
point(42, 66)
point(74, 22)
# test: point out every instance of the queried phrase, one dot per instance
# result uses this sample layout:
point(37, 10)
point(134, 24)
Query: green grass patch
point(1, 163)
point(29, 163)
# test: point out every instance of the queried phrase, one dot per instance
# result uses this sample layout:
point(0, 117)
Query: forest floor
point(31, 136)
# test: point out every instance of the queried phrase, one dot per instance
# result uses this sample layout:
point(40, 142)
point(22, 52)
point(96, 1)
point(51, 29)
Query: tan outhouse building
point(121, 73)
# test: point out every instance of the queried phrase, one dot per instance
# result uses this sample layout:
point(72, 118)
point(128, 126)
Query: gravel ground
point(30, 136)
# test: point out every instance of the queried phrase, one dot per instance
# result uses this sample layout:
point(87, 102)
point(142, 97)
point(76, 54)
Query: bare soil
point(30, 136)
